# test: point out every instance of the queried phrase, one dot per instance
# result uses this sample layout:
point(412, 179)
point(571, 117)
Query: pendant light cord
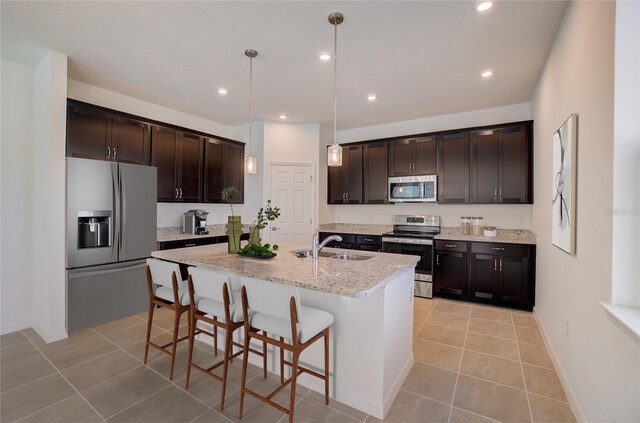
point(335, 73)
point(250, 105)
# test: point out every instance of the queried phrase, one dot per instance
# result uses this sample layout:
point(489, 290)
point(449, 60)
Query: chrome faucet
point(316, 248)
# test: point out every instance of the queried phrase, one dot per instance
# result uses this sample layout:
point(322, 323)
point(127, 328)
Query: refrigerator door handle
point(115, 204)
point(123, 213)
point(88, 272)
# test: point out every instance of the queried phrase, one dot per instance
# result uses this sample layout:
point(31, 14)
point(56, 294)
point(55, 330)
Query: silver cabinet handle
point(450, 245)
point(497, 248)
point(501, 265)
point(108, 152)
point(181, 193)
point(500, 193)
point(369, 239)
point(495, 264)
point(437, 259)
point(177, 194)
point(344, 197)
point(190, 245)
point(409, 166)
point(114, 153)
point(347, 197)
point(495, 194)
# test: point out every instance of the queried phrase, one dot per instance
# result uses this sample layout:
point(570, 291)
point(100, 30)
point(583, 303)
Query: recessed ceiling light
point(486, 74)
point(325, 56)
point(283, 116)
point(222, 91)
point(371, 97)
point(484, 6)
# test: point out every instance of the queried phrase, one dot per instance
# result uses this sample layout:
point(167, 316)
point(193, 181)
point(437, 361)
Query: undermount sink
point(328, 254)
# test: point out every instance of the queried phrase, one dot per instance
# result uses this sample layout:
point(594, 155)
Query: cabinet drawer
point(519, 250)
point(445, 245)
point(346, 238)
point(369, 239)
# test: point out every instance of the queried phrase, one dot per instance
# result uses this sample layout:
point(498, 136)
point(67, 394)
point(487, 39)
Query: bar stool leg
point(245, 359)
point(294, 377)
point(264, 356)
point(192, 335)
point(215, 337)
point(176, 324)
point(149, 321)
point(281, 361)
point(225, 366)
point(326, 366)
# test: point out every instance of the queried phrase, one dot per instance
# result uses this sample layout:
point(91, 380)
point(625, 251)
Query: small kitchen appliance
point(194, 222)
point(414, 235)
point(413, 189)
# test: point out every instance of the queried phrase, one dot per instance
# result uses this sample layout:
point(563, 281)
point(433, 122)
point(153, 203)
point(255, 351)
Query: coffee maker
point(194, 222)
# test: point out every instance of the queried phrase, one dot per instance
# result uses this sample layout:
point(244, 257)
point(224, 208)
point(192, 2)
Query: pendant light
point(250, 163)
point(335, 151)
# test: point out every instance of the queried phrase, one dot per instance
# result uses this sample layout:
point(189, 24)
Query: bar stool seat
point(216, 308)
point(314, 322)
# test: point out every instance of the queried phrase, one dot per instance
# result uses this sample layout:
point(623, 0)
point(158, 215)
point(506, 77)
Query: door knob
point(274, 228)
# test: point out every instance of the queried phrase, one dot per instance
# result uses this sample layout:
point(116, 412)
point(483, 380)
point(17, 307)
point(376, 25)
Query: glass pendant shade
point(250, 164)
point(335, 155)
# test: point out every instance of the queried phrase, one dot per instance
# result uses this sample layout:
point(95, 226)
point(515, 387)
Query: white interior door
point(292, 190)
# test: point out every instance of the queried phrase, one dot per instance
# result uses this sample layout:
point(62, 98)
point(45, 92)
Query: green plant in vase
point(234, 225)
point(266, 215)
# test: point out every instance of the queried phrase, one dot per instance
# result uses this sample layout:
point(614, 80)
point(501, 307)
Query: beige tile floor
point(473, 364)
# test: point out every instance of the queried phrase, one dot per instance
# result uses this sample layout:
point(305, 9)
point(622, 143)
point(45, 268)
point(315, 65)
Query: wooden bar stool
point(166, 289)
point(209, 294)
point(275, 309)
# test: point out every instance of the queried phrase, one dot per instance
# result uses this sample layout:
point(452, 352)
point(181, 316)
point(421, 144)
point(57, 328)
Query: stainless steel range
point(414, 235)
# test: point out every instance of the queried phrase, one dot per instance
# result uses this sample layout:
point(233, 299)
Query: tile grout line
point(44, 408)
point(25, 384)
point(455, 387)
point(524, 380)
point(138, 402)
point(425, 319)
point(70, 384)
point(476, 414)
point(425, 397)
point(484, 334)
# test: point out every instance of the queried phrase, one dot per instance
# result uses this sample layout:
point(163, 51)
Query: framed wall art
point(563, 220)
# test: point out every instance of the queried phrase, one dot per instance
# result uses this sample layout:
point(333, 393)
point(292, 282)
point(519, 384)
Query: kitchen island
point(372, 305)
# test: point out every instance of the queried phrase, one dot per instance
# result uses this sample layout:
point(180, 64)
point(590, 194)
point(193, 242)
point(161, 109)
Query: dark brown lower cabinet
point(450, 270)
point(354, 241)
point(499, 274)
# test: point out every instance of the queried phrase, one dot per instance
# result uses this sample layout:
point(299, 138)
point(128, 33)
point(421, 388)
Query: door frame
point(314, 188)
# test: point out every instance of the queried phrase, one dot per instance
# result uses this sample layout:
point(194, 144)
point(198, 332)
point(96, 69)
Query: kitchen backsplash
point(170, 214)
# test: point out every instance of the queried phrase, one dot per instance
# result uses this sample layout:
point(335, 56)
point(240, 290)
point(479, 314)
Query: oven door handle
point(413, 241)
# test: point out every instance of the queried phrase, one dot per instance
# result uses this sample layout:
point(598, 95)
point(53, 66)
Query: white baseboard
point(571, 396)
point(14, 327)
point(49, 337)
point(397, 385)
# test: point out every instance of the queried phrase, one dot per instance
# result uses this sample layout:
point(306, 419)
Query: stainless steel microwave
point(413, 189)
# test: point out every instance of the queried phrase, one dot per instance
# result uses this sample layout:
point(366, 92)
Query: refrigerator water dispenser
point(94, 229)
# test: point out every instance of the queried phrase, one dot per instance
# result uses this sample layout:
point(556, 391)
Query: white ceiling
point(421, 58)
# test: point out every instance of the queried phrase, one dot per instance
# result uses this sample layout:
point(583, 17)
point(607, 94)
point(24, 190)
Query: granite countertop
point(174, 233)
point(507, 236)
point(354, 228)
point(357, 278)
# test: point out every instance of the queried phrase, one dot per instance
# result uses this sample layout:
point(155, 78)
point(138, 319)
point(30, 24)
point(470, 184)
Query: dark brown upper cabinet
point(412, 156)
point(223, 167)
point(500, 165)
point(345, 182)
point(375, 162)
point(453, 168)
point(178, 157)
point(100, 135)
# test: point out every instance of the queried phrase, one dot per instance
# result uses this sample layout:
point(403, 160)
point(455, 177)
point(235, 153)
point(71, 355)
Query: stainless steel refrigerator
point(111, 230)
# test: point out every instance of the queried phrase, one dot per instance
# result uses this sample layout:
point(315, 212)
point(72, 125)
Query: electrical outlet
point(567, 329)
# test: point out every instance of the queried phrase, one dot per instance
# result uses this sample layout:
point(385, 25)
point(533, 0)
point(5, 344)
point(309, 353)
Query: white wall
point(502, 216)
point(48, 238)
point(17, 224)
point(599, 363)
point(626, 157)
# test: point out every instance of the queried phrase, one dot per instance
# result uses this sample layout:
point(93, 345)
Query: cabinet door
point(353, 169)
point(453, 168)
point(375, 173)
point(484, 277)
point(401, 154)
point(450, 276)
point(233, 168)
point(425, 156)
point(514, 279)
point(88, 133)
point(336, 193)
point(515, 178)
point(213, 170)
point(130, 141)
point(484, 166)
point(164, 146)
point(190, 168)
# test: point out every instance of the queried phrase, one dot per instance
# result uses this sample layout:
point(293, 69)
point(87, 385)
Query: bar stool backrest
point(271, 298)
point(161, 272)
point(208, 284)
